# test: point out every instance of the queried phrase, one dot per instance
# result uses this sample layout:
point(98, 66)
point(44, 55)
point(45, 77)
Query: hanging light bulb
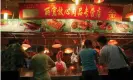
point(130, 14)
point(5, 13)
point(26, 44)
point(112, 42)
point(98, 1)
point(46, 50)
point(68, 50)
point(131, 18)
point(76, 1)
point(82, 43)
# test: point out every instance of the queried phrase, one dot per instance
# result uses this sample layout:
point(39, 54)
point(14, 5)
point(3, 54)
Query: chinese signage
point(69, 11)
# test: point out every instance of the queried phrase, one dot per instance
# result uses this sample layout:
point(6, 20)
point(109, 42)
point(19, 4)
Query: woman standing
point(88, 60)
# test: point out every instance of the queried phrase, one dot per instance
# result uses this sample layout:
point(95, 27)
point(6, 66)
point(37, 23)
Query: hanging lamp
point(26, 44)
point(46, 50)
point(51, 0)
point(6, 12)
point(68, 50)
point(112, 42)
point(56, 44)
point(98, 1)
point(130, 14)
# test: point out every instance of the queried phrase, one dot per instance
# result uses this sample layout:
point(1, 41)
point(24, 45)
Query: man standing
point(40, 64)
point(111, 57)
point(12, 60)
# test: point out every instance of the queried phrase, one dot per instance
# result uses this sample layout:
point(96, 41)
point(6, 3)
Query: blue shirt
point(87, 56)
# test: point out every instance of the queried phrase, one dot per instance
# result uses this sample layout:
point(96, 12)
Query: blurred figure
point(111, 57)
point(88, 60)
point(12, 59)
point(97, 48)
point(40, 64)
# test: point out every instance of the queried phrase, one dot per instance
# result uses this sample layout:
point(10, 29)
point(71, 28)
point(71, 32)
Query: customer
point(88, 58)
point(40, 64)
point(12, 59)
point(111, 57)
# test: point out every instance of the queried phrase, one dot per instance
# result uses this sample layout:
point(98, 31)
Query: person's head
point(20, 41)
point(15, 40)
point(58, 59)
point(40, 49)
point(12, 41)
point(97, 47)
point(88, 43)
point(102, 40)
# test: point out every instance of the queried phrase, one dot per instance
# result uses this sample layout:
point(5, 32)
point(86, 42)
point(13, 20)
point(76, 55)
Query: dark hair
point(88, 43)
point(12, 41)
point(15, 40)
point(40, 49)
point(20, 41)
point(98, 47)
point(102, 39)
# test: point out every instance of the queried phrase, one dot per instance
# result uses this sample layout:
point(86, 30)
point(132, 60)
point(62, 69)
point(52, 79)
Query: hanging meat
point(74, 58)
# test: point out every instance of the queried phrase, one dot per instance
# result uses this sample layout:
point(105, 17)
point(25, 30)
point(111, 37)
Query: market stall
point(62, 29)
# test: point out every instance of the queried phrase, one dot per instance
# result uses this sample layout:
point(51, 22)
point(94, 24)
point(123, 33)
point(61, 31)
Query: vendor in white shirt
point(60, 67)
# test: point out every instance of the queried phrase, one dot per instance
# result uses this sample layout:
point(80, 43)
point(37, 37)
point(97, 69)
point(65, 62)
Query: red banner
point(69, 11)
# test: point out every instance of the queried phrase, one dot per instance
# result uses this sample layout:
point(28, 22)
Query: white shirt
point(110, 55)
point(54, 70)
point(64, 64)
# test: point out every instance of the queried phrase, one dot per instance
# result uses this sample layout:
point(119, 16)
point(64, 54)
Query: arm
point(65, 66)
point(51, 62)
point(32, 64)
point(102, 58)
point(25, 53)
point(79, 60)
point(96, 57)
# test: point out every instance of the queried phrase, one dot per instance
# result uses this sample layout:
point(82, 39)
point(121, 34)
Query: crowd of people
point(111, 57)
